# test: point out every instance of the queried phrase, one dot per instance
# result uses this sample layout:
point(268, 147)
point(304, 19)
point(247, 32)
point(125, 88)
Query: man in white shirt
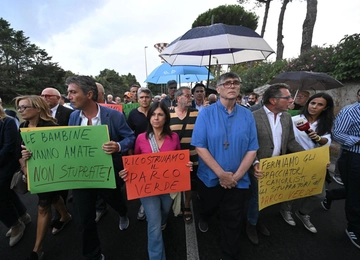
point(276, 137)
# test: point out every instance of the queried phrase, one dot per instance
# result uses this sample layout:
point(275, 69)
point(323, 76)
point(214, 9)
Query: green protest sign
point(128, 107)
point(68, 158)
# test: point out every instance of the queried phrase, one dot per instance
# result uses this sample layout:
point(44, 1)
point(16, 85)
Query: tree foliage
point(347, 58)
point(24, 67)
point(114, 83)
point(228, 14)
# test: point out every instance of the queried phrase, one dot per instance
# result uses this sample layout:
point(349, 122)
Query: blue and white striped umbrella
point(217, 44)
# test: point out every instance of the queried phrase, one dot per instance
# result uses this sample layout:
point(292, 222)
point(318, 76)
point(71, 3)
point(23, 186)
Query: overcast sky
point(87, 36)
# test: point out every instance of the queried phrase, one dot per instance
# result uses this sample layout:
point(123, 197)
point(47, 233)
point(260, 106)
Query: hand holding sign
point(156, 173)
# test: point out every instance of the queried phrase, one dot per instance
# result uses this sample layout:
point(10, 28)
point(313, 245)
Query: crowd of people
point(225, 135)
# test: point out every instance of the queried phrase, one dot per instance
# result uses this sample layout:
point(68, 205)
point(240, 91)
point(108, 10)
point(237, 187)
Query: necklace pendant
point(226, 144)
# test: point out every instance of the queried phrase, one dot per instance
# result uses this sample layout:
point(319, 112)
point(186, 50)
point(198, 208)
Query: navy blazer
point(119, 131)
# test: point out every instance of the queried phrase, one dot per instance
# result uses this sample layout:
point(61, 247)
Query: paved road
point(286, 242)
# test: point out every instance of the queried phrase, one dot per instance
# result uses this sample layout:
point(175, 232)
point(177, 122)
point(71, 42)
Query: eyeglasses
point(228, 84)
point(287, 98)
point(48, 96)
point(301, 96)
point(199, 91)
point(22, 108)
point(187, 95)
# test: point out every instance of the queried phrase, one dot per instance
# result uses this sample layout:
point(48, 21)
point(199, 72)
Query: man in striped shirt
point(347, 133)
point(182, 121)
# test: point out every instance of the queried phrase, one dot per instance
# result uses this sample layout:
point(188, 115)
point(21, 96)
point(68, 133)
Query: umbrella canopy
point(182, 74)
point(228, 44)
point(306, 80)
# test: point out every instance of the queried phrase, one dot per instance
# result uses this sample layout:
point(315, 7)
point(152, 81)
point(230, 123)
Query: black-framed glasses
point(22, 108)
point(287, 98)
point(228, 84)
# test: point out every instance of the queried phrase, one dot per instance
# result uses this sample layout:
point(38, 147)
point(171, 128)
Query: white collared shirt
point(53, 110)
point(276, 130)
point(94, 121)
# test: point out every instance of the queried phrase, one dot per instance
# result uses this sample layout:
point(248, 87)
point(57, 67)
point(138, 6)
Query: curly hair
point(39, 103)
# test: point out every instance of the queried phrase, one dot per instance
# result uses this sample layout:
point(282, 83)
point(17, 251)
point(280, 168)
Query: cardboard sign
point(68, 158)
point(292, 176)
point(117, 107)
point(157, 173)
point(128, 107)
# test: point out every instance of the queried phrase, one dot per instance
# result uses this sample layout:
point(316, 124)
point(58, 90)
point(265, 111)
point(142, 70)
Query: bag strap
point(153, 144)
point(184, 124)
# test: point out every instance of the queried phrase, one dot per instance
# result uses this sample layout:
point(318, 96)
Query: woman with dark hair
point(12, 211)
point(36, 113)
point(157, 138)
point(319, 113)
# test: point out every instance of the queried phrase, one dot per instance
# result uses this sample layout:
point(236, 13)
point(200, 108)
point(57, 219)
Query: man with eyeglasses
point(170, 100)
point(62, 114)
point(300, 100)
point(199, 96)
point(182, 120)
point(226, 142)
point(52, 97)
point(276, 137)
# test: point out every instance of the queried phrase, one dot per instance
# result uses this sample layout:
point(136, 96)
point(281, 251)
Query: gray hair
point(179, 92)
point(227, 75)
point(85, 83)
point(145, 90)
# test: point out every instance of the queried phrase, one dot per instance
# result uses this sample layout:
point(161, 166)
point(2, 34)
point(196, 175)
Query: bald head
point(51, 96)
point(101, 93)
point(212, 98)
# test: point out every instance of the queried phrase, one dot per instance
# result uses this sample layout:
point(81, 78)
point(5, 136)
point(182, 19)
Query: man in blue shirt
point(226, 142)
point(83, 95)
point(347, 133)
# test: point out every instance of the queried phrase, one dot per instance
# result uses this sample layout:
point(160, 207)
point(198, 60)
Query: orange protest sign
point(157, 173)
point(117, 107)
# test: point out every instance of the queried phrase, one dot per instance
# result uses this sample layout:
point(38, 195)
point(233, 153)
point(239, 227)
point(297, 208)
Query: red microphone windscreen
point(302, 124)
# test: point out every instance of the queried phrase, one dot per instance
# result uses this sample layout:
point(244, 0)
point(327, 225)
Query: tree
point(114, 83)
point(308, 25)
point(280, 36)
point(259, 3)
point(24, 68)
point(228, 14)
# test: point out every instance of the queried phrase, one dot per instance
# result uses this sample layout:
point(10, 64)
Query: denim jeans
point(157, 209)
point(349, 167)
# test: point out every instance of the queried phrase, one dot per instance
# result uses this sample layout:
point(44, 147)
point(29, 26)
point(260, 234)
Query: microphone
point(303, 125)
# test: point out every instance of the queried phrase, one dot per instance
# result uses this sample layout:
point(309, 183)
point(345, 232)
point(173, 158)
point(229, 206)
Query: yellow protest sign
point(292, 176)
point(68, 158)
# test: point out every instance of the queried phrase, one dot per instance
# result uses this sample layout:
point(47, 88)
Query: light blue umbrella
point(182, 74)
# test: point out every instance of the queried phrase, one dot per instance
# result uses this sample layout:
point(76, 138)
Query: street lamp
point(145, 61)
